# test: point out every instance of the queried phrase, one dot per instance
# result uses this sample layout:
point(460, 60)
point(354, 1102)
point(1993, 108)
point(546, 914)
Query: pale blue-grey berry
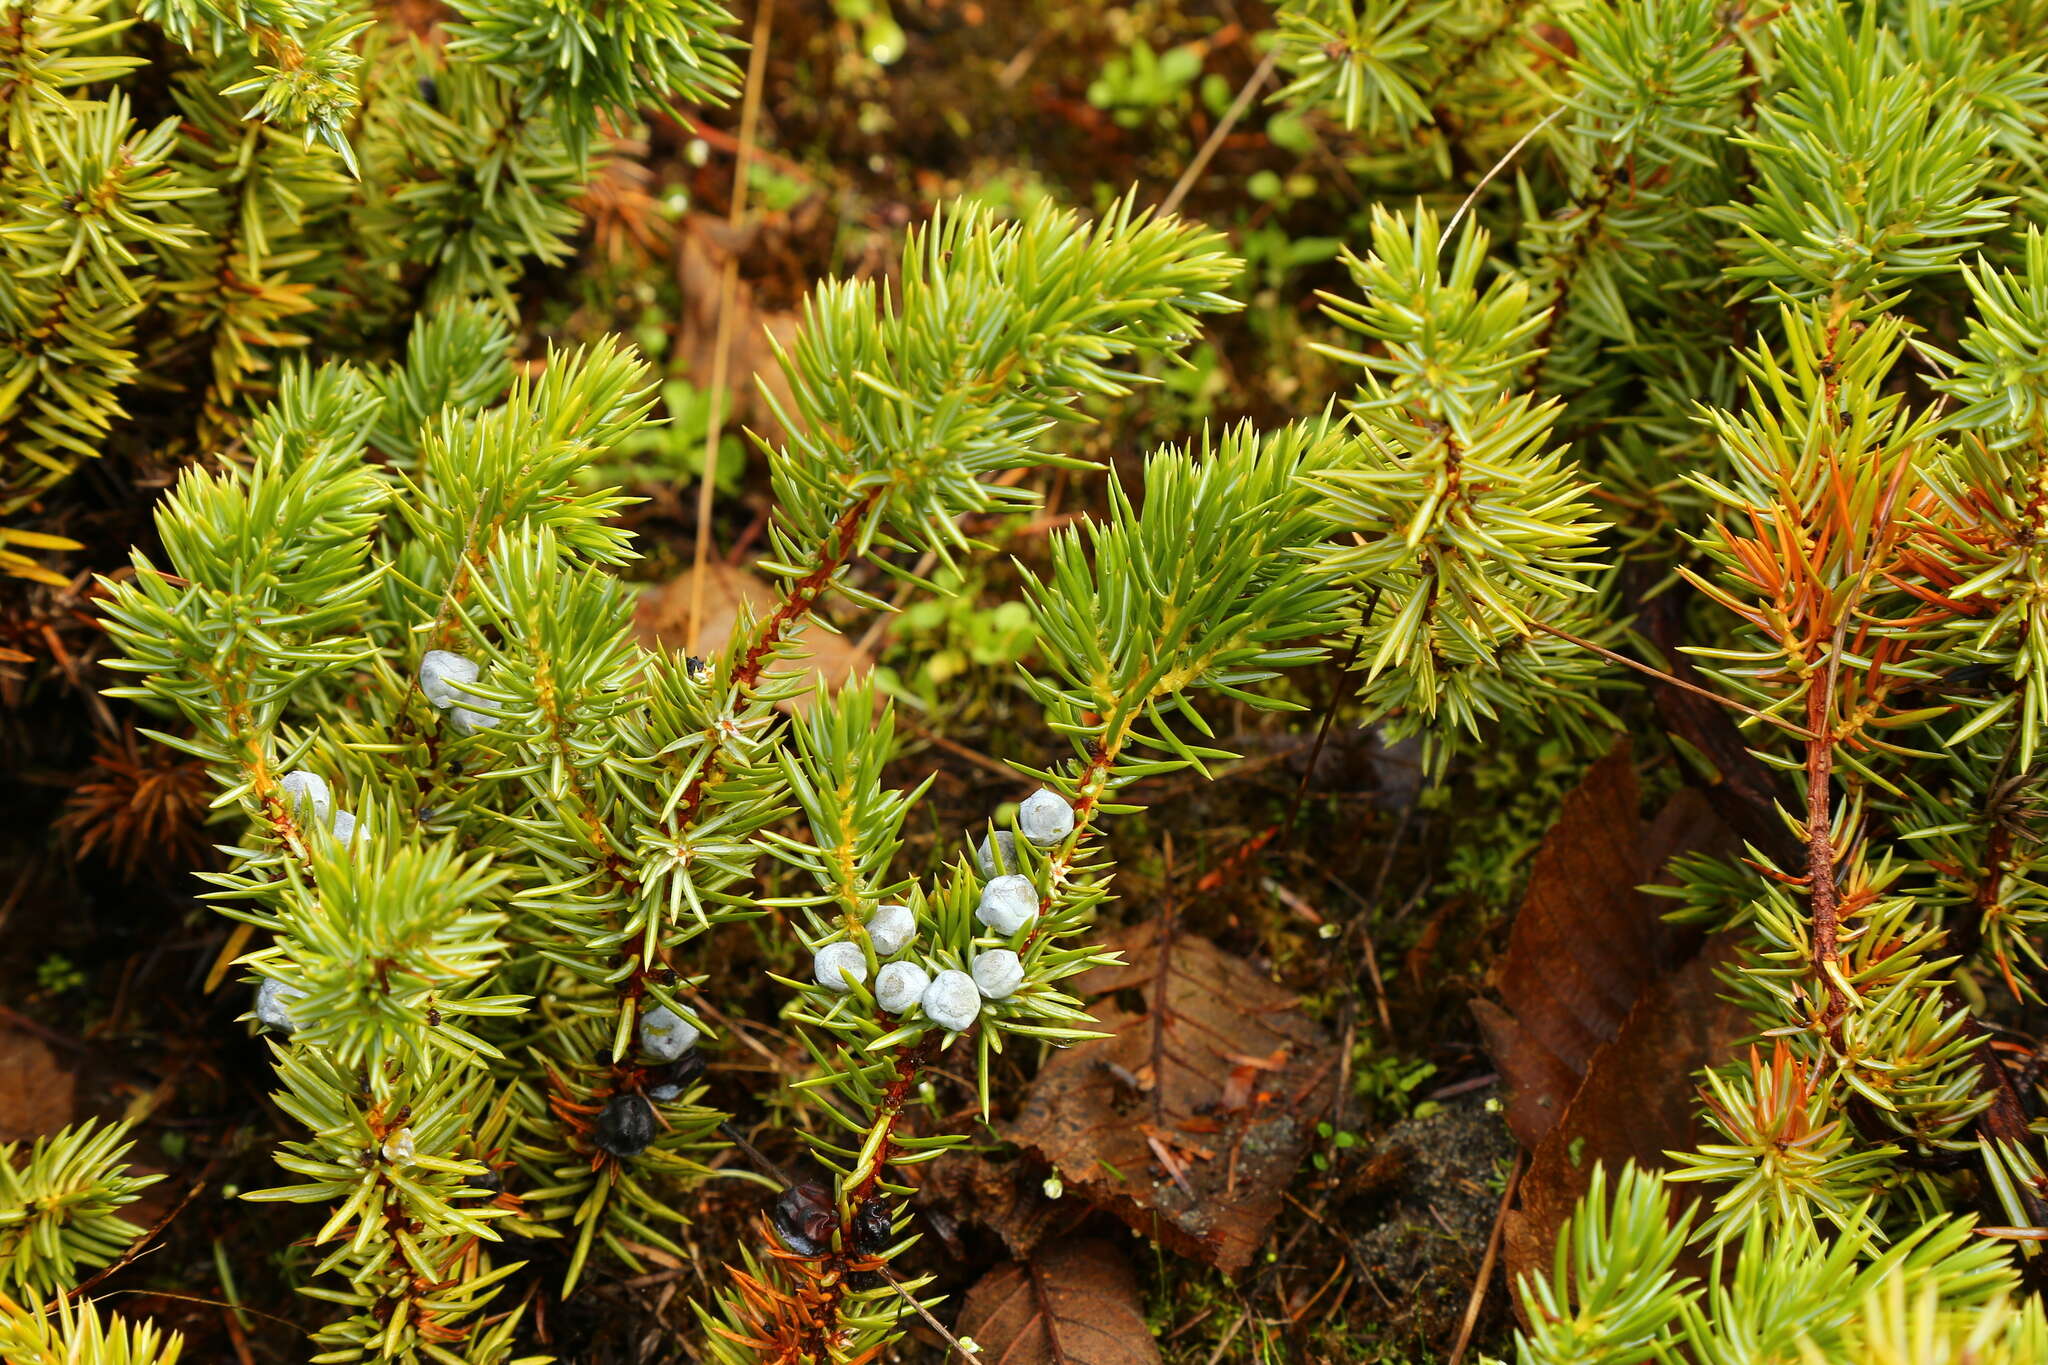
point(308, 791)
point(273, 1001)
point(1045, 818)
point(837, 961)
point(891, 929)
point(951, 1001)
point(666, 1035)
point(440, 669)
point(468, 721)
point(900, 985)
point(344, 826)
point(1008, 904)
point(1000, 847)
point(998, 973)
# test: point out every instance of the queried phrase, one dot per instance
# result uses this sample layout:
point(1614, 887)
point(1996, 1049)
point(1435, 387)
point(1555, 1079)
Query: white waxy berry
point(344, 826)
point(440, 669)
point(468, 721)
point(1008, 904)
point(399, 1148)
point(1000, 847)
point(891, 929)
point(1045, 818)
point(273, 1005)
point(308, 791)
point(998, 973)
point(900, 985)
point(951, 1001)
point(666, 1035)
point(837, 961)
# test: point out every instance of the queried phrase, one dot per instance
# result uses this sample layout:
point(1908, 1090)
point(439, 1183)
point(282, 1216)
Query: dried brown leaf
point(1007, 1198)
point(1190, 1119)
point(702, 249)
point(1606, 1010)
point(1074, 1303)
point(1744, 791)
point(36, 1094)
point(1587, 941)
point(662, 618)
point(423, 19)
point(1638, 1101)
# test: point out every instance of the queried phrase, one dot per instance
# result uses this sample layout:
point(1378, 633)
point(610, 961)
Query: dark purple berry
point(803, 1218)
point(873, 1225)
point(626, 1126)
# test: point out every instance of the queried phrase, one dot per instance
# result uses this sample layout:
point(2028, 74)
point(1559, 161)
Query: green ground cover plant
point(1665, 368)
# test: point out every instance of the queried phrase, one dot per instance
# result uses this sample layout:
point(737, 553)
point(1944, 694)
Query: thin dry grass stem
point(728, 294)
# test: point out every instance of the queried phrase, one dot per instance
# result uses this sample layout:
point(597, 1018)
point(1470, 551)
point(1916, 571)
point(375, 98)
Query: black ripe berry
point(626, 1126)
point(872, 1225)
point(802, 1218)
point(489, 1180)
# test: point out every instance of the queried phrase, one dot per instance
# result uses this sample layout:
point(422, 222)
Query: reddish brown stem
point(910, 1063)
point(1985, 900)
point(833, 556)
point(1823, 895)
point(797, 603)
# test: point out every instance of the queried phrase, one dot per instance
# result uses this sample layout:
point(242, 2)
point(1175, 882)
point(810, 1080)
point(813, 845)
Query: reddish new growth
point(1801, 578)
point(1781, 1114)
point(790, 1316)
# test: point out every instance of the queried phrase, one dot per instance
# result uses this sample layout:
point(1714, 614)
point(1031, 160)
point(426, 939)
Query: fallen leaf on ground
point(1638, 1102)
point(1007, 1198)
point(703, 246)
point(1159, 1123)
point(36, 1094)
point(662, 618)
point(1586, 941)
point(1074, 1303)
point(1607, 1011)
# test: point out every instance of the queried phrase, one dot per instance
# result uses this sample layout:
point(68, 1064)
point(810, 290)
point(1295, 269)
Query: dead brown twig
point(1485, 1276)
point(728, 294)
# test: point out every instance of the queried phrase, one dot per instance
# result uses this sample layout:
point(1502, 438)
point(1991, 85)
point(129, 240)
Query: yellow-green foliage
point(57, 1207)
point(292, 174)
